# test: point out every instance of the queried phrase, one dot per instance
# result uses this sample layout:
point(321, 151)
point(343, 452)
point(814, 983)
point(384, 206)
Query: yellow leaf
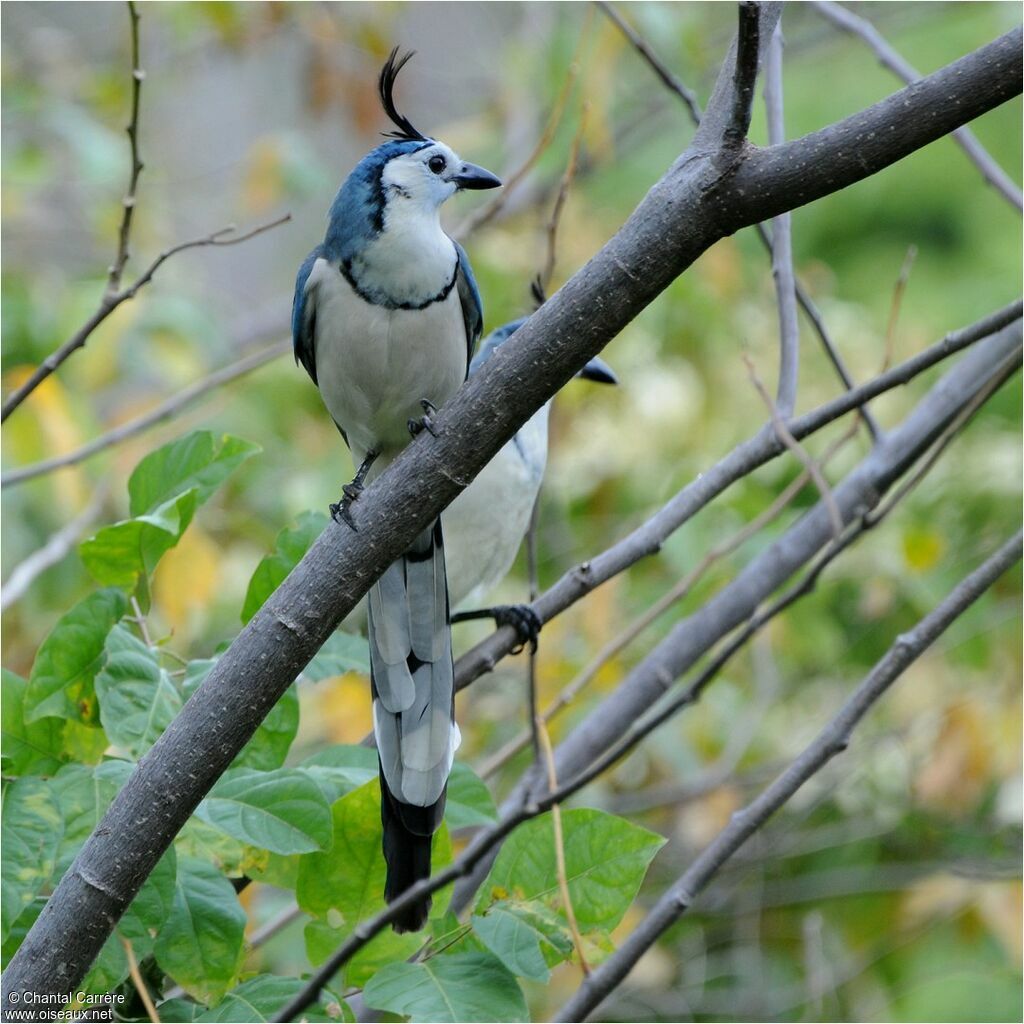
point(922, 549)
point(186, 579)
point(960, 765)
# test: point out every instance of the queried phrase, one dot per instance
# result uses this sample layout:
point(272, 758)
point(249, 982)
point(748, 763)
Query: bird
point(487, 522)
point(385, 320)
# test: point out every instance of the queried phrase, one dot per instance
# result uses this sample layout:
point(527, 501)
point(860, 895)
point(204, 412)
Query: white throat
point(412, 260)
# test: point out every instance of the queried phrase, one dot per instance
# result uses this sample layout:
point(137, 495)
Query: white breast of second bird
point(375, 365)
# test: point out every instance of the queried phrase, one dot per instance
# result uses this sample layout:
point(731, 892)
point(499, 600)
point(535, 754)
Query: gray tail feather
point(412, 682)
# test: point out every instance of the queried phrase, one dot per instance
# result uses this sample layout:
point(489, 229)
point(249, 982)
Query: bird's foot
point(521, 617)
point(341, 511)
point(417, 426)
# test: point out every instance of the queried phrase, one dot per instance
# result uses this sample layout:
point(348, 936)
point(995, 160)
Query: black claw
point(523, 619)
point(341, 512)
point(418, 426)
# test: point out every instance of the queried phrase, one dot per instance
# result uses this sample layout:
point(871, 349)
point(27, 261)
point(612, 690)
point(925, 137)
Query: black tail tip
point(413, 918)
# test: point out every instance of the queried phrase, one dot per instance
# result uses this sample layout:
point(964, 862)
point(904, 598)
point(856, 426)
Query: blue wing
point(304, 316)
point(472, 308)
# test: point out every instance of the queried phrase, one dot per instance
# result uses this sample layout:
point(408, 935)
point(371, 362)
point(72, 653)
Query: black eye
point(436, 164)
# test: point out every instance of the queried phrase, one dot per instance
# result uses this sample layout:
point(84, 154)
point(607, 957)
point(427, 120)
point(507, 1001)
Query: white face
point(423, 178)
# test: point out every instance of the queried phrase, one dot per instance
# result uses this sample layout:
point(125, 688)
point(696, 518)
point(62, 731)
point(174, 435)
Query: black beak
point(598, 371)
point(471, 176)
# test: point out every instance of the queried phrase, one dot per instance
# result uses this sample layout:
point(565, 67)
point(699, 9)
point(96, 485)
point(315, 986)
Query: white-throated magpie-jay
point(385, 319)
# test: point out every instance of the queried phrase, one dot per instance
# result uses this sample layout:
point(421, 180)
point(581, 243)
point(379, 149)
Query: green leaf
point(84, 794)
point(200, 944)
point(137, 698)
point(118, 555)
point(193, 462)
point(462, 987)
point(339, 770)
point(343, 652)
point(469, 800)
point(61, 683)
point(283, 811)
point(228, 855)
point(606, 859)
point(29, 748)
point(164, 490)
point(514, 941)
point(32, 827)
point(180, 1011)
point(260, 998)
point(345, 885)
point(289, 547)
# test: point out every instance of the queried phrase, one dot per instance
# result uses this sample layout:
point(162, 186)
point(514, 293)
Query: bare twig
point(832, 740)
point(806, 459)
point(54, 550)
point(896, 305)
point(556, 211)
point(485, 214)
point(744, 74)
point(111, 301)
point(889, 58)
point(687, 95)
point(807, 304)
point(756, 451)
point(164, 411)
point(533, 729)
point(671, 597)
point(782, 242)
point(559, 838)
point(138, 981)
point(130, 198)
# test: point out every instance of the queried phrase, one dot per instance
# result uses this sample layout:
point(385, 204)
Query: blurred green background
point(890, 888)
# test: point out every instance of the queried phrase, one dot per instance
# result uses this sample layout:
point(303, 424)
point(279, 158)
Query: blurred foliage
point(890, 887)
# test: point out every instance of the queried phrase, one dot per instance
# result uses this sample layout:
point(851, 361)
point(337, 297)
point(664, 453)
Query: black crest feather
point(388, 74)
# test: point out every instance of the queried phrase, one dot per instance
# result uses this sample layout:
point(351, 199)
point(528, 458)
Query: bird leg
point(424, 422)
point(340, 510)
point(521, 617)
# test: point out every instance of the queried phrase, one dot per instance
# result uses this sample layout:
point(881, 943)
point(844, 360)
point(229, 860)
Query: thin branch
point(744, 74)
point(139, 982)
point(807, 304)
point(746, 457)
point(782, 242)
point(164, 411)
point(656, 610)
point(533, 728)
point(806, 459)
point(833, 739)
point(891, 59)
point(896, 305)
point(131, 196)
point(687, 95)
point(559, 839)
point(599, 738)
point(485, 214)
point(111, 301)
point(563, 194)
point(53, 551)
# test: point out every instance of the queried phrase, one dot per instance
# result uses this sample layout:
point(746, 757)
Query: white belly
point(375, 365)
point(485, 525)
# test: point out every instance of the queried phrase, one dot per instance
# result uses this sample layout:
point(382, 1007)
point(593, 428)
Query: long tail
point(413, 684)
